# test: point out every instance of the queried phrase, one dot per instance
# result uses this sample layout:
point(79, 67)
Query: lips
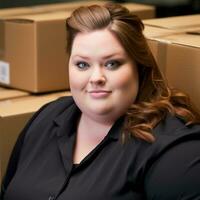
point(99, 93)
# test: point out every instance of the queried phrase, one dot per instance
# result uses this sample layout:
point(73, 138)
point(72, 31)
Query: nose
point(97, 76)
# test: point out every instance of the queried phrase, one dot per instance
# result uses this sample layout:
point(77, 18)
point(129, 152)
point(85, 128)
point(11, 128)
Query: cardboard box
point(14, 114)
point(8, 93)
point(175, 23)
point(181, 60)
point(64, 6)
point(141, 10)
point(178, 53)
point(13, 11)
point(35, 57)
point(154, 38)
point(29, 62)
point(8, 13)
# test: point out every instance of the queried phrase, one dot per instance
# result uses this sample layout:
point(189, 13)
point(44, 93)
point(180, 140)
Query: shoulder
point(58, 105)
point(54, 108)
point(174, 164)
point(44, 126)
point(172, 136)
point(170, 133)
point(46, 116)
point(169, 167)
point(173, 130)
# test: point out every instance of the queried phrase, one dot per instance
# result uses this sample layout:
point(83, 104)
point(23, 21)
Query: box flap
point(67, 6)
point(13, 11)
point(137, 7)
point(151, 32)
point(6, 93)
point(35, 17)
point(186, 39)
point(192, 40)
point(180, 22)
point(27, 104)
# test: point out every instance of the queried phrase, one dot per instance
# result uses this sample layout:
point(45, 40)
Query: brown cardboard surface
point(6, 14)
point(178, 22)
point(182, 64)
point(39, 17)
point(185, 38)
point(2, 88)
point(10, 128)
point(13, 11)
point(141, 10)
point(8, 93)
point(10, 13)
point(64, 6)
point(177, 53)
point(178, 56)
point(14, 114)
point(37, 63)
point(151, 31)
point(157, 44)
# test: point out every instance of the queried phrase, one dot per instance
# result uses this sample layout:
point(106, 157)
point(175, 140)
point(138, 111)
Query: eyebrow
point(105, 57)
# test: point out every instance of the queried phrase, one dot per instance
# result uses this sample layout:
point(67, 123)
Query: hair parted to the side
point(155, 99)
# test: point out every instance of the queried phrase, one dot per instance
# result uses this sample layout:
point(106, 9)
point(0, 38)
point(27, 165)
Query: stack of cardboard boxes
point(175, 42)
point(33, 60)
point(8, 93)
point(14, 113)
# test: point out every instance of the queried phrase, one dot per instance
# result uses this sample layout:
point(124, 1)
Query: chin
point(109, 114)
point(100, 111)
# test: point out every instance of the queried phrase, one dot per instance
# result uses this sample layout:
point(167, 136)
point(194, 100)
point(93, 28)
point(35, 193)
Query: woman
point(124, 134)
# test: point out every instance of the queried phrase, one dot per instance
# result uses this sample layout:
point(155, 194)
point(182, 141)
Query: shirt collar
point(67, 120)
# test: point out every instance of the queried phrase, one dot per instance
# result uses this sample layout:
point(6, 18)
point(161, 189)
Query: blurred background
point(164, 8)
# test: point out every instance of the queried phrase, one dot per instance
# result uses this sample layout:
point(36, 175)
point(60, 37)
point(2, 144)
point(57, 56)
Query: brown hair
point(155, 99)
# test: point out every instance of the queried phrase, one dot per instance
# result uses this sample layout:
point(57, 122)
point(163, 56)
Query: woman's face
point(103, 79)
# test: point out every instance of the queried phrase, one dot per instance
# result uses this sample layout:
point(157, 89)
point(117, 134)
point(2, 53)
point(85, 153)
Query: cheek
point(77, 79)
point(126, 86)
point(127, 81)
point(74, 83)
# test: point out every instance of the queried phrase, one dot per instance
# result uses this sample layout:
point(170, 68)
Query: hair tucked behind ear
point(155, 99)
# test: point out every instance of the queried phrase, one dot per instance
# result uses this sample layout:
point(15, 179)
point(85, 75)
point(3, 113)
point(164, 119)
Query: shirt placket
point(66, 147)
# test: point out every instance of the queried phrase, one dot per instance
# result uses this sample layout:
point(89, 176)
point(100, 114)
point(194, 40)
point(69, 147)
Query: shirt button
point(51, 198)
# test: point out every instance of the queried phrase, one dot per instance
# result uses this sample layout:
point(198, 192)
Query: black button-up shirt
point(41, 166)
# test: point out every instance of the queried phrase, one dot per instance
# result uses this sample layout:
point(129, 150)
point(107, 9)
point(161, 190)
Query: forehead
point(97, 42)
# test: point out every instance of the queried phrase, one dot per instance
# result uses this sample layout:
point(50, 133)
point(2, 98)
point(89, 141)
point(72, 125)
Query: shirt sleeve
point(15, 155)
point(175, 175)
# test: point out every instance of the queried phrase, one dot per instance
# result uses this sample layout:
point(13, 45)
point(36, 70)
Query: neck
point(96, 128)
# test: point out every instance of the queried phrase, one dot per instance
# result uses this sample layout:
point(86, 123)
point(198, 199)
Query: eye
point(112, 64)
point(82, 65)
